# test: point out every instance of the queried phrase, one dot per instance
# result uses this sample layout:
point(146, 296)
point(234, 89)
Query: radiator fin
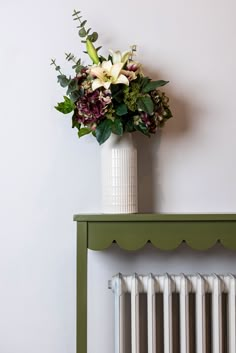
point(135, 314)
point(175, 313)
point(168, 325)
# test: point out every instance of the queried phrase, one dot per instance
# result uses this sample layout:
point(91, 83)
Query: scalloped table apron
point(119, 175)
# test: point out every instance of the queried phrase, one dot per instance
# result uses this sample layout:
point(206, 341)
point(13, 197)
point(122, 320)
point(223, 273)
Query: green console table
point(132, 232)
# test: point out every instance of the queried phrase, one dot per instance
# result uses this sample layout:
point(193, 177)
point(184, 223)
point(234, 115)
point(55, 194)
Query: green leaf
point(152, 85)
point(83, 23)
point(169, 113)
point(117, 93)
point(121, 109)
point(142, 128)
point(72, 86)
point(74, 96)
point(82, 32)
point(93, 37)
point(75, 13)
point(77, 68)
point(65, 107)
point(117, 127)
point(144, 81)
point(63, 80)
point(145, 104)
point(129, 126)
point(75, 122)
point(103, 131)
point(83, 131)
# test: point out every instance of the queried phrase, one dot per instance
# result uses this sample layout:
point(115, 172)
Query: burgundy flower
point(92, 106)
point(149, 121)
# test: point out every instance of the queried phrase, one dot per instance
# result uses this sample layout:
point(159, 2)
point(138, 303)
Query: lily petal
point(97, 83)
point(107, 65)
point(123, 79)
point(115, 70)
point(125, 56)
point(116, 56)
point(106, 84)
point(97, 71)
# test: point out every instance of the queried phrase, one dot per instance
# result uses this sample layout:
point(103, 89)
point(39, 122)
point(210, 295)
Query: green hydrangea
point(131, 94)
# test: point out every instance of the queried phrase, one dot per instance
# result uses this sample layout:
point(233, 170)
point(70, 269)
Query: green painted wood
point(81, 327)
point(199, 234)
point(132, 232)
point(149, 217)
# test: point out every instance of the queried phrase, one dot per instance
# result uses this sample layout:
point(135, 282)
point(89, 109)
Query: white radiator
point(214, 329)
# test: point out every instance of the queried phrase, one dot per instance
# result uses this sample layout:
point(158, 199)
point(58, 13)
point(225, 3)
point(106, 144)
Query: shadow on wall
point(149, 190)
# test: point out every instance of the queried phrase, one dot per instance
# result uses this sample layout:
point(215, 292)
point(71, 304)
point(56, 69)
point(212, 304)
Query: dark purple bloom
point(92, 106)
point(149, 121)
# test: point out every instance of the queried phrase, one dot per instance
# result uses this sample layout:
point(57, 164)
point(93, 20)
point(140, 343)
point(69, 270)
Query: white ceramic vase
point(119, 175)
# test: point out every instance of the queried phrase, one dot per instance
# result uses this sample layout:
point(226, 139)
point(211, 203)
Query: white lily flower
point(107, 74)
point(118, 57)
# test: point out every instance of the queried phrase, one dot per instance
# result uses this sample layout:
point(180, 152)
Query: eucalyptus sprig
point(77, 62)
point(83, 32)
point(62, 78)
point(57, 67)
point(133, 51)
point(86, 37)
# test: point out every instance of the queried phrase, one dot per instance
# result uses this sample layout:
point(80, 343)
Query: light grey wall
point(47, 175)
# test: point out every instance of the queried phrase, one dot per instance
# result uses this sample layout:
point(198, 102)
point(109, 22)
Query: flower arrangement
point(110, 95)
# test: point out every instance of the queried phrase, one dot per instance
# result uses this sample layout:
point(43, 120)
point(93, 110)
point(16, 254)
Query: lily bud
point(133, 66)
point(92, 52)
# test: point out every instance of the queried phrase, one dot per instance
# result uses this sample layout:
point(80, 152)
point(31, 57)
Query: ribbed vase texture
point(119, 175)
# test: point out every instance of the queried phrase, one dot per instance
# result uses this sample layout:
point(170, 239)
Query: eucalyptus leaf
point(93, 37)
point(63, 80)
point(78, 68)
point(103, 131)
point(145, 104)
point(82, 32)
point(74, 96)
point(83, 23)
point(76, 12)
point(72, 86)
